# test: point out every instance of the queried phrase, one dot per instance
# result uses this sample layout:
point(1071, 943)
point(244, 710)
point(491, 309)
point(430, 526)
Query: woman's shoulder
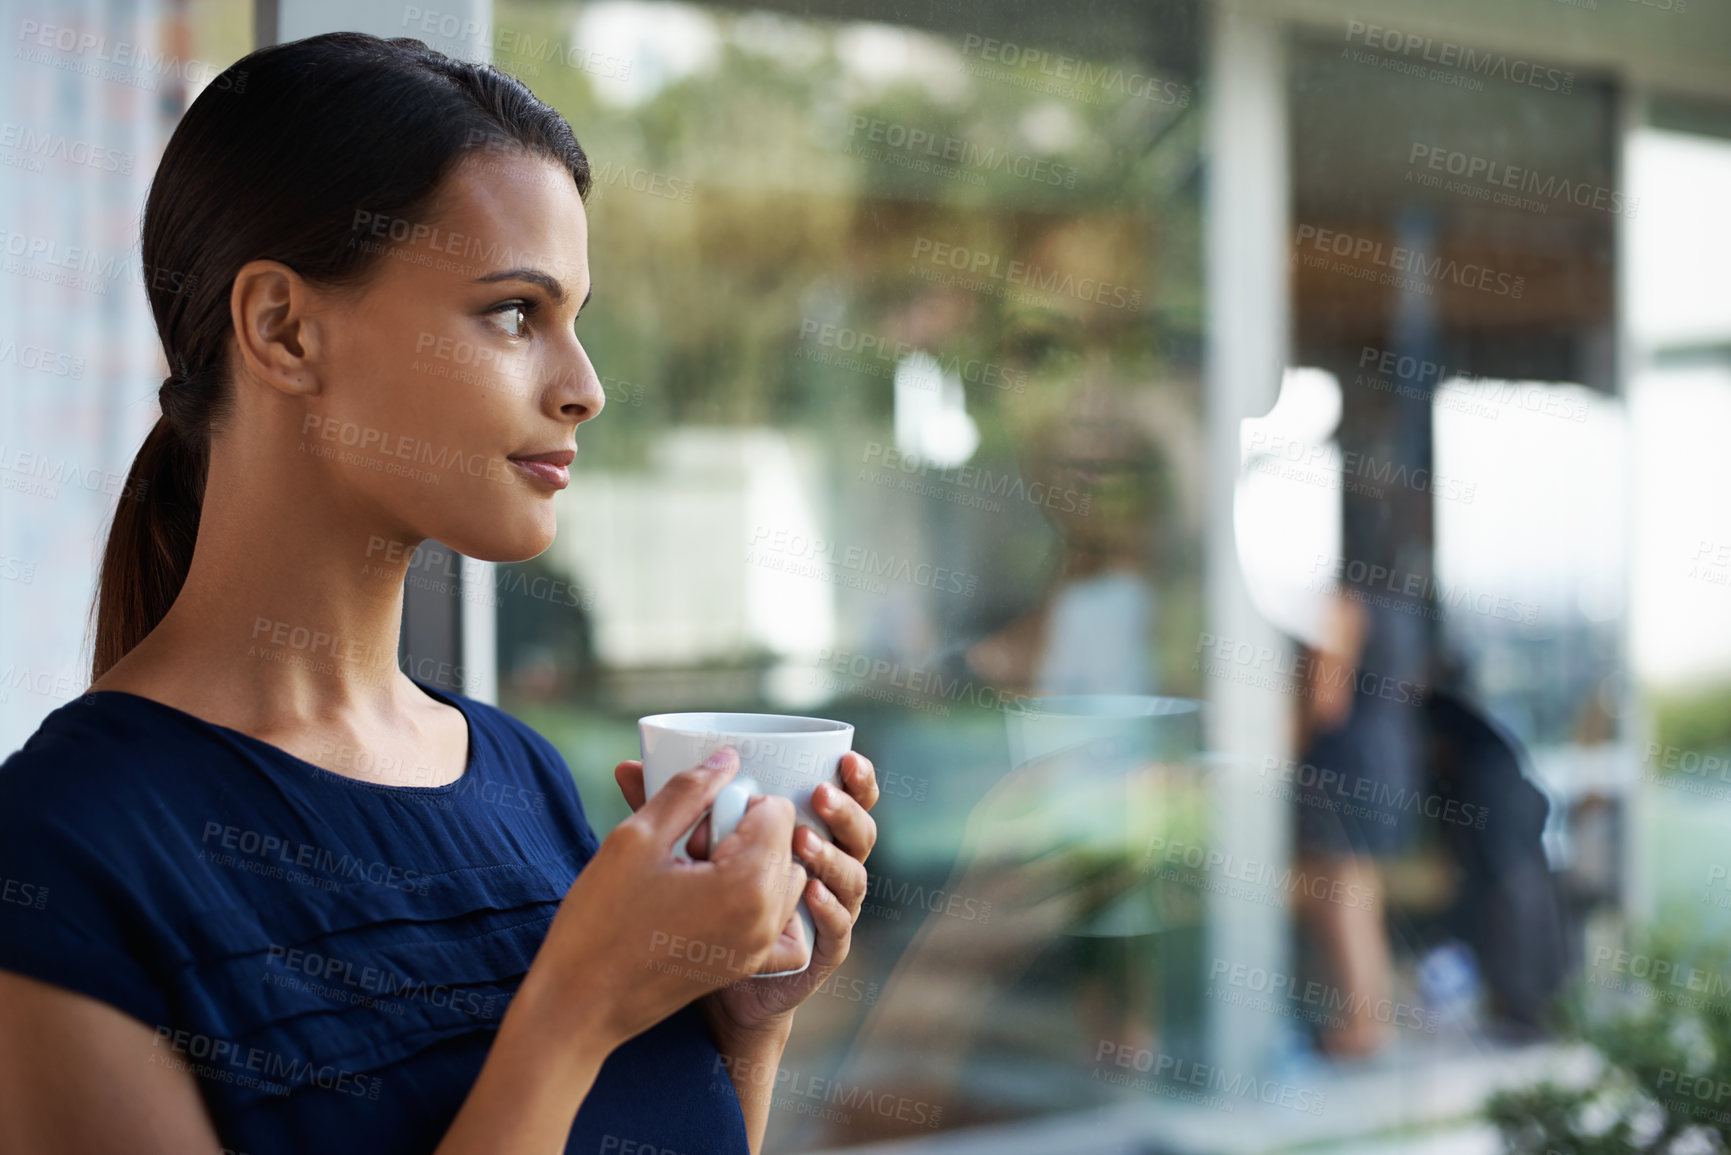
point(108, 785)
point(95, 746)
point(92, 856)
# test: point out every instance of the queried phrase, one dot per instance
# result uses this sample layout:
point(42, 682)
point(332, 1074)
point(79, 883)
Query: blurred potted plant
point(1658, 1017)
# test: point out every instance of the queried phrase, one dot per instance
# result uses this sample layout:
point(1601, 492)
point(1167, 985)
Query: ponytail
point(149, 544)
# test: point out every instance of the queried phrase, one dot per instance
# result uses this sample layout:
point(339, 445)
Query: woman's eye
point(517, 317)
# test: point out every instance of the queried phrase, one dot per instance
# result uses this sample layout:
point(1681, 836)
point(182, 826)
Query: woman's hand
point(642, 933)
point(834, 893)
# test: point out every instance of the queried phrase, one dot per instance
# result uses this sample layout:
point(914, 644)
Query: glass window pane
point(900, 329)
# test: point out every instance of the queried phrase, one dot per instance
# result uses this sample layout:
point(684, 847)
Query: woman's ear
point(276, 327)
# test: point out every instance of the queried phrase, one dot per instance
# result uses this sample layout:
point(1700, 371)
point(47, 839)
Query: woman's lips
point(545, 472)
point(547, 468)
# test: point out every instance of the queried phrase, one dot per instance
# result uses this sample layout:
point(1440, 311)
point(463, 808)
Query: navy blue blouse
point(330, 957)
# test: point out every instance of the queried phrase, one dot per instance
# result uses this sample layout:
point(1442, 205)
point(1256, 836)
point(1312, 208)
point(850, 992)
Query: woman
point(266, 893)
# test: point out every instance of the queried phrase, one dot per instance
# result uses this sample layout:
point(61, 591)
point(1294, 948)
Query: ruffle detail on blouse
point(326, 994)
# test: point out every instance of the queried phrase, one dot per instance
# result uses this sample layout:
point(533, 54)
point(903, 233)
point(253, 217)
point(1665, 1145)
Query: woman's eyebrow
point(535, 277)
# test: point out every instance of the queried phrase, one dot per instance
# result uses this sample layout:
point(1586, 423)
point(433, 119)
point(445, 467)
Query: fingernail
point(720, 759)
point(825, 793)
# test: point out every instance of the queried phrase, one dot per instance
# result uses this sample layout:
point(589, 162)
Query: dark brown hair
point(285, 156)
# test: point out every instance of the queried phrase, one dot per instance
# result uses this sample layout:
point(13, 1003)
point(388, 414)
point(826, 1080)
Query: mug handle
point(729, 807)
point(724, 815)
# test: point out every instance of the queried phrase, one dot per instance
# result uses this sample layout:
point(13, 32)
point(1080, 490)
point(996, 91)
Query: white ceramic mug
point(782, 754)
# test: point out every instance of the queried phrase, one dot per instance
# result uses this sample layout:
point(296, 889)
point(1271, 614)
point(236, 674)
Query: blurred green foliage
point(1697, 719)
point(1664, 1083)
point(740, 202)
point(775, 205)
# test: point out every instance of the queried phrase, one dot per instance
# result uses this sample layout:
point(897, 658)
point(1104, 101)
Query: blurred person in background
point(1355, 747)
point(1394, 756)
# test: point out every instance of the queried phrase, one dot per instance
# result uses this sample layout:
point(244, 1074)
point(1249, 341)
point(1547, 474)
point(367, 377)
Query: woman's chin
point(504, 544)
